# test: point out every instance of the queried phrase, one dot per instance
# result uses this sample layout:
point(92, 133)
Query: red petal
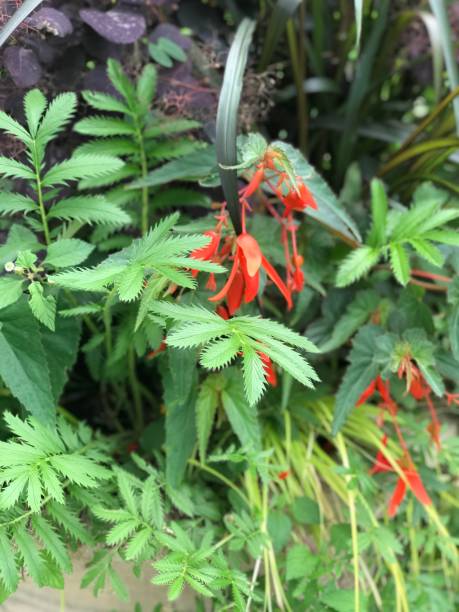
point(274, 276)
point(222, 312)
point(252, 253)
point(211, 283)
point(255, 182)
point(270, 372)
point(417, 389)
point(206, 252)
point(384, 389)
point(415, 484)
point(367, 393)
point(234, 296)
point(397, 497)
point(224, 290)
point(298, 280)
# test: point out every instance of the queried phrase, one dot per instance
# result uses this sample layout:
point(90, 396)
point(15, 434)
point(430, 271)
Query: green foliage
point(136, 134)
point(224, 340)
point(399, 234)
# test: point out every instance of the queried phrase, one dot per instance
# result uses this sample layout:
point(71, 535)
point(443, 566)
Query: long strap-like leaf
point(227, 116)
point(17, 18)
point(281, 13)
point(439, 9)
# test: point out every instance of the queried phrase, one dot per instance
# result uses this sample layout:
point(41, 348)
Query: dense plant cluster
point(213, 369)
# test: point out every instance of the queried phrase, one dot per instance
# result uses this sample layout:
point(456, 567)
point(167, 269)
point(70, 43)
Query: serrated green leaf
point(104, 126)
point(68, 252)
point(60, 111)
point(23, 366)
point(220, 353)
point(43, 307)
point(14, 169)
point(356, 265)
point(242, 417)
point(10, 290)
point(8, 569)
point(254, 375)
point(130, 283)
point(13, 203)
point(361, 370)
point(104, 102)
point(81, 167)
point(34, 106)
point(400, 263)
point(89, 209)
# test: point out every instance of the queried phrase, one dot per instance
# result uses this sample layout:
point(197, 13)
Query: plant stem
point(353, 518)
point(136, 392)
point(144, 223)
point(41, 204)
point(221, 477)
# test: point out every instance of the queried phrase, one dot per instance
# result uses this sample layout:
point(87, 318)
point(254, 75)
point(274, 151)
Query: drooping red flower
point(207, 252)
point(244, 278)
point(413, 480)
point(297, 199)
point(283, 475)
point(367, 393)
point(270, 372)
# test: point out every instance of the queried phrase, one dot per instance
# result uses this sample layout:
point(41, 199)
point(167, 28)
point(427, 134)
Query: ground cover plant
point(229, 306)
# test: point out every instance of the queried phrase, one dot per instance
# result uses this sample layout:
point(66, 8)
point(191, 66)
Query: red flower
point(413, 481)
point(244, 277)
point(283, 475)
point(206, 253)
point(298, 198)
point(415, 484)
point(367, 393)
point(270, 372)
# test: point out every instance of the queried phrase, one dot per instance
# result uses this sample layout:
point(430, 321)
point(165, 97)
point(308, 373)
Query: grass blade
point(17, 18)
point(439, 9)
point(281, 13)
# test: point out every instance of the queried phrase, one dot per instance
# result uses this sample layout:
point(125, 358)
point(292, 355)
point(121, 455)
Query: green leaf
point(146, 86)
point(121, 82)
point(220, 353)
point(53, 544)
point(10, 290)
point(254, 375)
point(242, 416)
point(14, 169)
point(357, 314)
point(301, 562)
point(13, 203)
point(104, 126)
point(329, 212)
point(453, 329)
point(68, 252)
point(306, 511)
point(361, 370)
point(379, 208)
point(33, 561)
point(400, 263)
point(228, 114)
point(193, 167)
point(206, 407)
point(23, 366)
point(131, 283)
point(12, 127)
point(43, 307)
point(356, 265)
point(34, 106)
point(81, 167)
point(166, 127)
point(59, 113)
point(104, 102)
point(8, 569)
point(61, 350)
point(89, 209)
point(427, 251)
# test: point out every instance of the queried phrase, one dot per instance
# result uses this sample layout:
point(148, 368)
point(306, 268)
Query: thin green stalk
point(136, 392)
point(412, 535)
point(221, 477)
point(353, 518)
point(41, 204)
